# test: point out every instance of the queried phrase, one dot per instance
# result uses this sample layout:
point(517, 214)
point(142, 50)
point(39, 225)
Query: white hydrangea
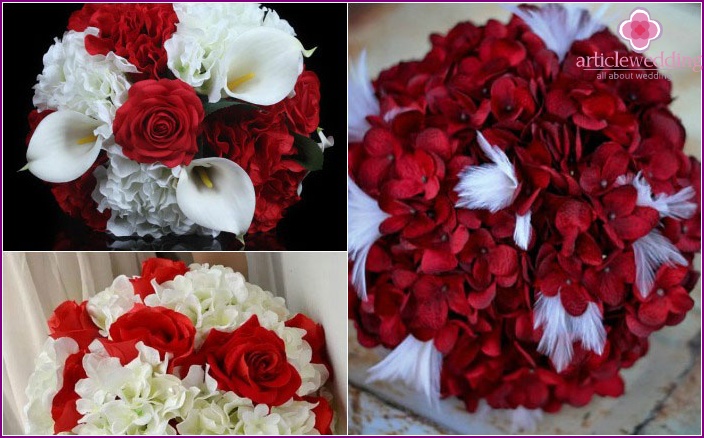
point(73, 79)
point(291, 418)
point(116, 300)
point(138, 398)
point(141, 198)
point(44, 383)
point(203, 34)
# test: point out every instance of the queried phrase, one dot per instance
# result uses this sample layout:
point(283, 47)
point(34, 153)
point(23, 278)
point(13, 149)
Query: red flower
point(623, 219)
point(417, 174)
point(260, 142)
point(668, 301)
point(315, 336)
point(511, 99)
point(483, 259)
point(136, 32)
point(163, 329)
point(75, 199)
point(72, 320)
point(609, 280)
point(63, 406)
point(159, 122)
point(251, 362)
point(323, 414)
point(431, 299)
point(303, 109)
point(608, 162)
point(381, 149)
point(158, 269)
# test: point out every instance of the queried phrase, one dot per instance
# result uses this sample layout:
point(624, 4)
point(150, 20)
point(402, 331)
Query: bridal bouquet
point(180, 351)
point(154, 119)
point(518, 225)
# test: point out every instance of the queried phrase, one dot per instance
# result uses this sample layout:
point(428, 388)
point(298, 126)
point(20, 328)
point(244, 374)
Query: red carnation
point(303, 109)
point(136, 32)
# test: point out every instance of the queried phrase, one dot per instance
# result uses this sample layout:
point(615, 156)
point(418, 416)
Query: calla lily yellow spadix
point(262, 66)
point(63, 147)
point(216, 193)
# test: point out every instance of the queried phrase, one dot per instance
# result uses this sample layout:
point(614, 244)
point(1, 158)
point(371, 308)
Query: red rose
point(303, 109)
point(72, 320)
point(157, 269)
point(162, 329)
point(251, 362)
point(323, 414)
point(315, 336)
point(63, 406)
point(159, 122)
point(136, 32)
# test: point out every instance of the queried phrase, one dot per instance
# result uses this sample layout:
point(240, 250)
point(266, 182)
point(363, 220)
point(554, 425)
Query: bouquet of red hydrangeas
point(518, 225)
point(180, 350)
point(157, 119)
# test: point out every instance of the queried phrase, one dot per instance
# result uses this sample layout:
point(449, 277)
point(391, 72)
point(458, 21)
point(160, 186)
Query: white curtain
point(35, 283)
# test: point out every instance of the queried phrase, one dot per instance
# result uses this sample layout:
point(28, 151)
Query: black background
point(33, 221)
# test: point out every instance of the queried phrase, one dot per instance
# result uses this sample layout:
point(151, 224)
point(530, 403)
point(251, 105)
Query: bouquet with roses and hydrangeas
point(180, 350)
point(518, 225)
point(157, 119)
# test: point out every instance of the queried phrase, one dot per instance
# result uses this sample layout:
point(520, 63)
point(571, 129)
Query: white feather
point(522, 232)
point(652, 251)
point(560, 26)
point(364, 219)
point(491, 186)
point(417, 364)
point(560, 330)
point(362, 101)
point(675, 206)
point(525, 420)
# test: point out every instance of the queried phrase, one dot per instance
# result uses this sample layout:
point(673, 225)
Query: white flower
point(236, 49)
point(44, 383)
point(141, 198)
point(74, 80)
point(106, 306)
point(138, 398)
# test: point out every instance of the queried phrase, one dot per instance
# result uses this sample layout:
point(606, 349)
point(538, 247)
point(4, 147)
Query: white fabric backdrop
point(35, 283)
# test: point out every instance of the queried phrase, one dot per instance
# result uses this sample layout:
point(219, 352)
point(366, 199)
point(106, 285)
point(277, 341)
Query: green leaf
point(225, 103)
point(309, 154)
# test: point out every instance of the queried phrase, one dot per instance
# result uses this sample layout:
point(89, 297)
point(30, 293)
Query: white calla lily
point(216, 193)
point(261, 66)
point(63, 147)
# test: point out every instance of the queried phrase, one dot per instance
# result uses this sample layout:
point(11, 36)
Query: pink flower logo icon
point(640, 30)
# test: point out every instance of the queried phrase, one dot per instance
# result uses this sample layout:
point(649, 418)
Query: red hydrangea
point(456, 276)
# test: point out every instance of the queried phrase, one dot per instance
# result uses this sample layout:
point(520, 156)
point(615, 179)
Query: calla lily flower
point(261, 67)
point(216, 193)
point(64, 146)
